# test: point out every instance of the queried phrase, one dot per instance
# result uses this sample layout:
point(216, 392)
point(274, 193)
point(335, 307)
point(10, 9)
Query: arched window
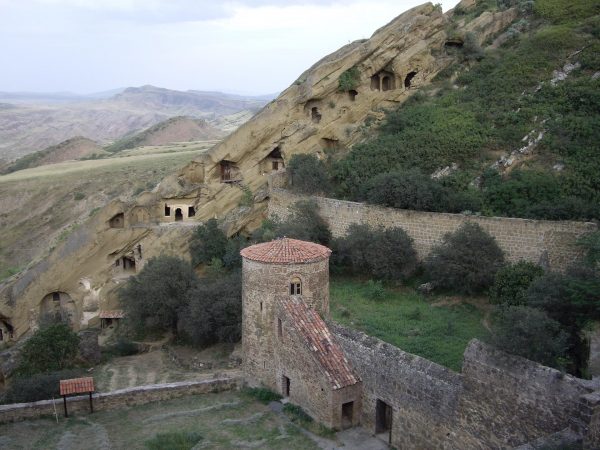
point(296, 286)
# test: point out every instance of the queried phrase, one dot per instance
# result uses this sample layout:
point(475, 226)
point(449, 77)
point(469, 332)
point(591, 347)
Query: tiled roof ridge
point(286, 251)
point(319, 341)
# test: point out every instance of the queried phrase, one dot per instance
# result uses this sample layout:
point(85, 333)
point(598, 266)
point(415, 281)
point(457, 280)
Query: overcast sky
point(243, 46)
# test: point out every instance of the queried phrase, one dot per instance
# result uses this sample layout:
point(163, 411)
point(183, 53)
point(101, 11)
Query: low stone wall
point(498, 401)
point(117, 399)
point(538, 241)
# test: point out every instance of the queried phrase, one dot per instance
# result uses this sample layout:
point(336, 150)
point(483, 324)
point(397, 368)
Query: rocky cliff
point(315, 114)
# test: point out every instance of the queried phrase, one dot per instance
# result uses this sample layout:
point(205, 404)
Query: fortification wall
point(139, 395)
point(498, 400)
point(539, 241)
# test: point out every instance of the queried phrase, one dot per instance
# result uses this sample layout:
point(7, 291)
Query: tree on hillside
point(214, 310)
point(466, 261)
point(153, 298)
point(308, 175)
point(207, 243)
point(50, 349)
point(512, 281)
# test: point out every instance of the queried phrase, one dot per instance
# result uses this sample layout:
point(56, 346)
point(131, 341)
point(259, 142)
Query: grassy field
point(437, 329)
point(39, 205)
point(213, 421)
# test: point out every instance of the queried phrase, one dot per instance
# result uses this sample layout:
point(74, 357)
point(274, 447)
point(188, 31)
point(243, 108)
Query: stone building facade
point(286, 344)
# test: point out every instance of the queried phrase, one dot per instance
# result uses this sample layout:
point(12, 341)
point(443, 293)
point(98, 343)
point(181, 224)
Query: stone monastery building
point(286, 344)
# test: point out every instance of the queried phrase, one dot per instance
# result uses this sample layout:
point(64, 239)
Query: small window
point(260, 306)
point(191, 211)
point(56, 296)
point(167, 211)
point(1, 335)
point(275, 165)
point(279, 328)
point(296, 286)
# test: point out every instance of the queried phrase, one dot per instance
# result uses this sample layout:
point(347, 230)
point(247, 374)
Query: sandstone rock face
point(228, 182)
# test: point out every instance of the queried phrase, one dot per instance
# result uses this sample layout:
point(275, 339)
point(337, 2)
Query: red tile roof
point(320, 342)
point(113, 314)
point(76, 386)
point(286, 251)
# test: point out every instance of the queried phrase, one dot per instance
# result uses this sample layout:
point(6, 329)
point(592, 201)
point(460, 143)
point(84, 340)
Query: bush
point(530, 333)
point(154, 298)
point(308, 175)
point(52, 348)
point(381, 253)
point(213, 311)
point(349, 80)
point(174, 440)
point(263, 395)
point(466, 261)
point(375, 290)
point(512, 281)
point(41, 386)
point(122, 347)
point(207, 243)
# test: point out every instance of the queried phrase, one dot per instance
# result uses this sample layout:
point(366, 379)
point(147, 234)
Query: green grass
point(405, 319)
point(298, 416)
point(175, 440)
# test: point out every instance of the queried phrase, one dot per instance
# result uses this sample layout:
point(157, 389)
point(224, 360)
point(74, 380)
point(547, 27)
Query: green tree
point(512, 281)
point(153, 298)
point(466, 261)
point(214, 310)
point(52, 348)
point(207, 243)
point(382, 253)
point(530, 333)
point(308, 175)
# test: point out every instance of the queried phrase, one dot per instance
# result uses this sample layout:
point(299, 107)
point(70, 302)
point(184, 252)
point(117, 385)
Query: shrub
point(512, 281)
point(153, 298)
point(466, 261)
point(207, 243)
point(308, 175)
point(174, 440)
point(213, 310)
point(409, 189)
point(52, 348)
point(349, 80)
point(78, 196)
point(375, 290)
point(123, 347)
point(381, 253)
point(263, 395)
point(530, 333)
point(41, 386)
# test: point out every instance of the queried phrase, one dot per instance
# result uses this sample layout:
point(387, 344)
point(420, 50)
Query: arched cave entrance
point(58, 307)
point(178, 215)
point(408, 79)
point(273, 161)
point(315, 114)
point(352, 94)
point(117, 221)
point(375, 82)
point(388, 83)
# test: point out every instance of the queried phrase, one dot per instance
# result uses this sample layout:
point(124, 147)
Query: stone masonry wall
point(538, 241)
point(117, 399)
point(498, 401)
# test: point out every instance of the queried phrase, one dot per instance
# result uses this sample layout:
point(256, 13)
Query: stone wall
point(538, 241)
point(117, 399)
point(498, 401)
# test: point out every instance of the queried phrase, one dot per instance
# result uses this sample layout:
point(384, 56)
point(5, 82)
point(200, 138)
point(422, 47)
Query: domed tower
point(280, 268)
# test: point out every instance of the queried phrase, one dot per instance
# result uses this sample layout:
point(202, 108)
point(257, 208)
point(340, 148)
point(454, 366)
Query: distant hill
point(74, 148)
point(176, 129)
point(32, 122)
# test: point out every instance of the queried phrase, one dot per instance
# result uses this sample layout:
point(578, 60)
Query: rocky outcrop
point(314, 115)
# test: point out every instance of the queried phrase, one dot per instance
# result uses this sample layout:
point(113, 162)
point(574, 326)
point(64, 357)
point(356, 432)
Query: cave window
point(352, 94)
point(191, 211)
point(387, 83)
point(128, 264)
point(167, 210)
point(275, 165)
point(375, 83)
point(408, 79)
point(118, 263)
point(315, 114)
point(296, 286)
point(117, 221)
point(178, 215)
point(56, 297)
point(226, 171)
point(1, 335)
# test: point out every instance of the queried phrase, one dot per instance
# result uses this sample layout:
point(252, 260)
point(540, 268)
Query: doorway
point(286, 386)
point(178, 215)
point(383, 421)
point(347, 414)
